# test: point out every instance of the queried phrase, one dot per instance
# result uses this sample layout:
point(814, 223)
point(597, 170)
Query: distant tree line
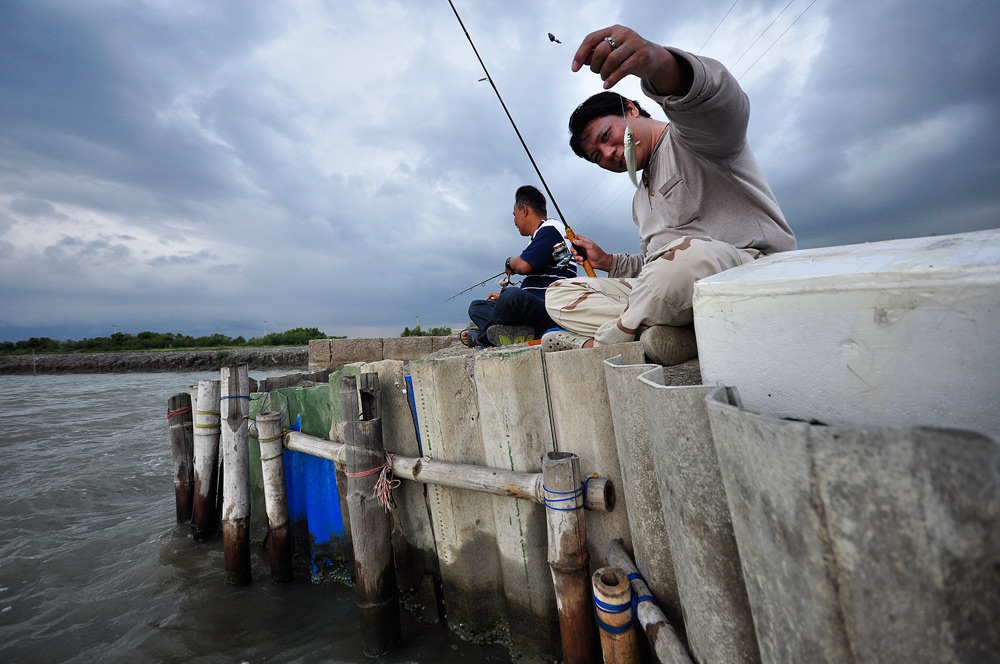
point(300, 336)
point(433, 332)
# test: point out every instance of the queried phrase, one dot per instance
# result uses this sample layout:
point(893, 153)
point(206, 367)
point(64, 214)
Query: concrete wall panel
point(514, 416)
point(581, 417)
point(651, 547)
point(710, 583)
point(464, 530)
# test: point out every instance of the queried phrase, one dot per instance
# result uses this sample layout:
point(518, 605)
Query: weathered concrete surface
point(864, 544)
point(516, 427)
point(581, 417)
point(651, 548)
point(464, 529)
point(407, 348)
point(319, 352)
point(710, 583)
point(413, 541)
point(345, 351)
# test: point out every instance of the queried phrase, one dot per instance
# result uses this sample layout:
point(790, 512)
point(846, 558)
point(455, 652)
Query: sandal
point(469, 338)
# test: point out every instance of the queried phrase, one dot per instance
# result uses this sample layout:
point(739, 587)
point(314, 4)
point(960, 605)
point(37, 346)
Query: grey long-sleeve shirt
point(702, 180)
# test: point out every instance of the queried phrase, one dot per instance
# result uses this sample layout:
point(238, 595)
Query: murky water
point(93, 567)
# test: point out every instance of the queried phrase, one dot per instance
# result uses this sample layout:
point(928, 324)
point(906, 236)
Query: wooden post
point(600, 494)
point(182, 443)
point(279, 540)
point(613, 604)
point(663, 641)
point(371, 523)
point(204, 513)
point(568, 557)
point(235, 409)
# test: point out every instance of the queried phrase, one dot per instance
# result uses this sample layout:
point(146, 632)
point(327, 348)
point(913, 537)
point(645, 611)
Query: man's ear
point(630, 109)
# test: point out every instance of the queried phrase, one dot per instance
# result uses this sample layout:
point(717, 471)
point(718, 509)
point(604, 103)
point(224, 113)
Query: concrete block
point(651, 548)
point(440, 343)
point(406, 348)
point(346, 351)
point(895, 333)
point(413, 547)
point(319, 352)
point(706, 560)
point(464, 527)
point(581, 418)
point(515, 421)
point(864, 544)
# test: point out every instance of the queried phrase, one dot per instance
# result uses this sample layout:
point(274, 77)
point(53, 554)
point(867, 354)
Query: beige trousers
point(615, 310)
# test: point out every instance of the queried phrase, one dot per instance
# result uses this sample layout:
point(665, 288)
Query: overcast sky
point(200, 167)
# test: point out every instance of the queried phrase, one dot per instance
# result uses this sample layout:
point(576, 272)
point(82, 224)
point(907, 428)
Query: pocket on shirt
point(674, 203)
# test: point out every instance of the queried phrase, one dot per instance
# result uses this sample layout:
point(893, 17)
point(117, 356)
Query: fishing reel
point(561, 255)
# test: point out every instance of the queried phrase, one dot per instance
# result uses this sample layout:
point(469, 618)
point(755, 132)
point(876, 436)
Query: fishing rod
point(570, 235)
point(503, 284)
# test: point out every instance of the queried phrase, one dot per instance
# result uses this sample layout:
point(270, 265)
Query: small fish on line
point(552, 38)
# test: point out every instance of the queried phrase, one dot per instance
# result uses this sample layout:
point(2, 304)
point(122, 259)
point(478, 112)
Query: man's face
point(603, 141)
point(521, 219)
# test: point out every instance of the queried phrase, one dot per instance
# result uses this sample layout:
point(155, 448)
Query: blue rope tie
point(571, 495)
point(614, 608)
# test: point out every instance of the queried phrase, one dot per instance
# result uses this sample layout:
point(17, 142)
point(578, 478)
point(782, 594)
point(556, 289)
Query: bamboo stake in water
point(279, 541)
point(663, 641)
point(204, 512)
point(568, 557)
point(234, 412)
point(613, 603)
point(371, 523)
point(182, 445)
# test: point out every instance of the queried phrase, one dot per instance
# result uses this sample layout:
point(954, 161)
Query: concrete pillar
point(515, 421)
point(710, 583)
point(464, 531)
point(581, 418)
point(864, 544)
point(651, 547)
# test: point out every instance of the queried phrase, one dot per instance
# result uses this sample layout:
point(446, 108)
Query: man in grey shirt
point(702, 204)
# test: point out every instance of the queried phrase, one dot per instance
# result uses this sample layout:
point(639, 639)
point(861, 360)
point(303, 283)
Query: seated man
point(518, 314)
point(702, 204)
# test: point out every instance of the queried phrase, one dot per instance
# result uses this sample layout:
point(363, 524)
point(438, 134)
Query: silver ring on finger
point(611, 42)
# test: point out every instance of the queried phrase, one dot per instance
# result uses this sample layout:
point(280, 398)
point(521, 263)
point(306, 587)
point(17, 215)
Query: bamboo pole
point(204, 512)
point(568, 556)
point(279, 541)
point(234, 412)
point(613, 604)
point(182, 445)
point(666, 646)
point(371, 523)
point(600, 492)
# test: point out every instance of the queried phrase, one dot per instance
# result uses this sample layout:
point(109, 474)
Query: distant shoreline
point(296, 358)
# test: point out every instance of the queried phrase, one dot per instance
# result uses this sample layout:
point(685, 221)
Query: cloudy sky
point(206, 166)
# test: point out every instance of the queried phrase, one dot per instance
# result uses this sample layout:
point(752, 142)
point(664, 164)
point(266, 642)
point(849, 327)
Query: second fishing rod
point(570, 235)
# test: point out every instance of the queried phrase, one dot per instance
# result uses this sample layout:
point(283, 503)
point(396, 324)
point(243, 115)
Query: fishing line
point(776, 40)
point(733, 66)
point(716, 28)
point(569, 231)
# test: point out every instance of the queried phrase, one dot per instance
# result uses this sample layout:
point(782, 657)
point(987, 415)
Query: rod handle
point(571, 236)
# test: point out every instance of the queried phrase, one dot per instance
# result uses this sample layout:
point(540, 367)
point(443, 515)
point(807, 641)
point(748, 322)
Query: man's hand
point(492, 297)
point(631, 55)
point(599, 259)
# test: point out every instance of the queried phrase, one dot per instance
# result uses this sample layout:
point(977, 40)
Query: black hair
point(598, 106)
point(528, 195)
